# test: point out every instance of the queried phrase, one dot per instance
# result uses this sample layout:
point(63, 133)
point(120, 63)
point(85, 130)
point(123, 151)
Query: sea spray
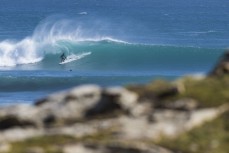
point(51, 36)
point(22, 52)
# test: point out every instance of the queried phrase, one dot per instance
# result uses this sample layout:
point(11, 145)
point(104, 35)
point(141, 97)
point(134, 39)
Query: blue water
point(114, 42)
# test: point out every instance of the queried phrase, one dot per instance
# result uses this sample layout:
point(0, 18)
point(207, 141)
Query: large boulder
point(18, 116)
point(69, 106)
point(114, 99)
point(84, 102)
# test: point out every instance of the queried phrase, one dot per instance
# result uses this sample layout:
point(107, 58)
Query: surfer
point(63, 57)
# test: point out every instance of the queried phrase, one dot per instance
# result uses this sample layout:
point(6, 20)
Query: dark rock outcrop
point(87, 110)
point(222, 67)
point(13, 121)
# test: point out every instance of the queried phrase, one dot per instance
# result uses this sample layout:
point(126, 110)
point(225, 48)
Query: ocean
point(115, 42)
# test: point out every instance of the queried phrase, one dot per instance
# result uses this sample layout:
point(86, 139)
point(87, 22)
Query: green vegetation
point(50, 144)
point(212, 137)
point(151, 90)
point(54, 144)
point(209, 92)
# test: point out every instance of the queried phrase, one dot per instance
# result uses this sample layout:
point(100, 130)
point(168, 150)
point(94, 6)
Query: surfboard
point(74, 57)
point(69, 59)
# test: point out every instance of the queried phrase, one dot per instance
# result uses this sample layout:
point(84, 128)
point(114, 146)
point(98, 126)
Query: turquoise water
point(115, 42)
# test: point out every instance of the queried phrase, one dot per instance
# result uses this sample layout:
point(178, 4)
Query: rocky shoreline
point(132, 119)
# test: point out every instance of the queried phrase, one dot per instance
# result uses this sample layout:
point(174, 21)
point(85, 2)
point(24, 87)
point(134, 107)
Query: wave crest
point(22, 52)
point(46, 39)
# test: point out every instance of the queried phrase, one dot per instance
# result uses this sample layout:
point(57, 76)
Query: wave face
point(107, 55)
point(97, 52)
point(100, 59)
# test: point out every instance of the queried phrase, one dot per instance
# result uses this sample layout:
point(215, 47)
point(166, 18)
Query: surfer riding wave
point(72, 57)
point(63, 57)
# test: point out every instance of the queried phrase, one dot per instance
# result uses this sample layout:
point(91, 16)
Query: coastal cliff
point(189, 115)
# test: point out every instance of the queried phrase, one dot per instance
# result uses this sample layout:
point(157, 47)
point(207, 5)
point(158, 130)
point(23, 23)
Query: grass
point(151, 90)
point(208, 92)
point(54, 144)
point(50, 144)
point(212, 137)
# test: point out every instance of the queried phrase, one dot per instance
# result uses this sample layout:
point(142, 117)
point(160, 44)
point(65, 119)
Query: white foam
point(198, 32)
point(82, 13)
point(21, 52)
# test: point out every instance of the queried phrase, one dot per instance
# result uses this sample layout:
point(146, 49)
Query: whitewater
point(114, 43)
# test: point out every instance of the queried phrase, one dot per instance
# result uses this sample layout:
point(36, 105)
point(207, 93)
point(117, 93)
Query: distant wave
point(197, 33)
point(83, 13)
point(31, 83)
point(21, 81)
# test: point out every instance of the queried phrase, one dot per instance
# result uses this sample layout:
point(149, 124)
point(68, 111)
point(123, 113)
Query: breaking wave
point(50, 37)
